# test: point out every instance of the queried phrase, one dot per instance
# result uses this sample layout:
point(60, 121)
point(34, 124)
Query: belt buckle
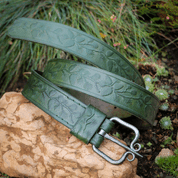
point(131, 149)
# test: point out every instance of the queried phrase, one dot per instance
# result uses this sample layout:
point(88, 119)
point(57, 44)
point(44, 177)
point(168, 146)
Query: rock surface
point(33, 144)
point(165, 152)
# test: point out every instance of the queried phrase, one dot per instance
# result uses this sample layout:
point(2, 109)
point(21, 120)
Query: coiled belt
point(113, 81)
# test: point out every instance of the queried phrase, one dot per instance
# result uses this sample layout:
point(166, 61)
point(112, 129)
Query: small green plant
point(161, 94)
point(149, 86)
point(155, 79)
point(142, 146)
point(164, 107)
point(3, 174)
point(168, 140)
point(149, 144)
point(166, 87)
point(148, 78)
point(166, 123)
point(171, 92)
point(176, 151)
point(161, 71)
point(169, 164)
point(117, 135)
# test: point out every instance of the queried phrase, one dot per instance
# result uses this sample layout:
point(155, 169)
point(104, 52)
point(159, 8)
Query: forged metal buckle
point(131, 149)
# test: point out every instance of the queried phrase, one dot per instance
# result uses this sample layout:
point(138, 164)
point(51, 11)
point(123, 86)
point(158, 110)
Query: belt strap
point(119, 83)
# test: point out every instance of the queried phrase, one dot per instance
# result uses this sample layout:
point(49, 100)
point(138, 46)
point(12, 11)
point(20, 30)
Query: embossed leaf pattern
point(59, 106)
point(73, 107)
point(89, 51)
point(96, 77)
point(147, 99)
point(70, 33)
point(79, 39)
point(107, 81)
point(35, 33)
point(105, 91)
point(109, 53)
point(52, 104)
point(53, 93)
point(69, 43)
point(88, 86)
point(95, 45)
point(112, 66)
point(73, 79)
point(72, 67)
point(118, 86)
point(134, 92)
point(85, 73)
point(149, 110)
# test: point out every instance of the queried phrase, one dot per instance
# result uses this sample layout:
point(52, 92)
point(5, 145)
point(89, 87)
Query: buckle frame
point(131, 149)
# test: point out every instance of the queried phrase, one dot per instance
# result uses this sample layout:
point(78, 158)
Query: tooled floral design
point(59, 104)
point(84, 45)
point(36, 86)
point(85, 123)
point(56, 102)
point(108, 86)
point(81, 43)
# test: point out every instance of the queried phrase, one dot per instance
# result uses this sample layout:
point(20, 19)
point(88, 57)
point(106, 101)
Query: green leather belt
point(116, 82)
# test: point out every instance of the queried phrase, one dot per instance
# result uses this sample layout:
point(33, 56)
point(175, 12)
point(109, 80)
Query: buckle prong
point(131, 149)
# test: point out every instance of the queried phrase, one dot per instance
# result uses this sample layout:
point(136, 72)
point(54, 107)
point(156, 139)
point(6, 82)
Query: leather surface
point(117, 82)
point(75, 42)
point(84, 121)
point(104, 85)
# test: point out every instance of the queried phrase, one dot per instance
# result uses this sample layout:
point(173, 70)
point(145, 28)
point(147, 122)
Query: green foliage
point(166, 123)
point(4, 175)
point(115, 22)
point(161, 94)
point(117, 135)
point(148, 78)
point(169, 140)
point(162, 14)
point(161, 71)
point(169, 164)
point(142, 146)
point(155, 79)
point(149, 86)
point(149, 144)
point(164, 107)
point(166, 87)
point(171, 92)
point(176, 151)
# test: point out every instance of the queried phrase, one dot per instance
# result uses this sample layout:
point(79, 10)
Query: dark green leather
point(104, 85)
point(119, 83)
point(84, 121)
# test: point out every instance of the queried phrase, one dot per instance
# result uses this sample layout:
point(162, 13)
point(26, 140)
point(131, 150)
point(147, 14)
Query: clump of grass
point(114, 22)
point(169, 164)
